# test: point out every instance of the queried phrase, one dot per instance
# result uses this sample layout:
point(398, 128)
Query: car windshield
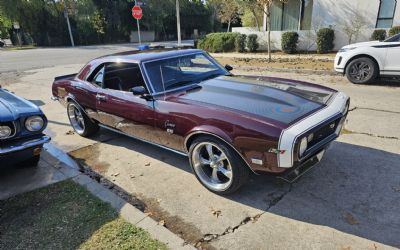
point(172, 73)
point(395, 38)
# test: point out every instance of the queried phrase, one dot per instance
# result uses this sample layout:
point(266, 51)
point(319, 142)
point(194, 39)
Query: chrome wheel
point(212, 166)
point(360, 71)
point(76, 118)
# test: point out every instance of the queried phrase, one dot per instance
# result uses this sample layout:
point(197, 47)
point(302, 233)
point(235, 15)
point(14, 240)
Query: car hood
point(276, 99)
point(363, 44)
point(13, 107)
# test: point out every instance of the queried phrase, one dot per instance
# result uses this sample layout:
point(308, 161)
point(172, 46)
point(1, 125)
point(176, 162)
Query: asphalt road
point(351, 200)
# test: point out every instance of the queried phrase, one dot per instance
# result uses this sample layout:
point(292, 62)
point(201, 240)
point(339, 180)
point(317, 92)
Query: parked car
point(228, 126)
point(364, 62)
point(21, 130)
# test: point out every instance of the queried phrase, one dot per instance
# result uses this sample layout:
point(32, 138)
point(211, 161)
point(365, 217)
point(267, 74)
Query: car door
point(118, 108)
point(392, 62)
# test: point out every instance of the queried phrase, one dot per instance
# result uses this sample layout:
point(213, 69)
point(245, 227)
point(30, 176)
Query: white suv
point(364, 62)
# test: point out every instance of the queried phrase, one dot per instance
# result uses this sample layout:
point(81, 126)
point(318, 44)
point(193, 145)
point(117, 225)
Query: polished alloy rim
point(212, 166)
point(360, 71)
point(76, 118)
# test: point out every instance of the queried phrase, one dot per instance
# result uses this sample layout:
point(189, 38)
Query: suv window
point(395, 38)
point(122, 76)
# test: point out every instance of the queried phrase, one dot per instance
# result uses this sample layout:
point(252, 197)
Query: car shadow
point(386, 81)
point(354, 189)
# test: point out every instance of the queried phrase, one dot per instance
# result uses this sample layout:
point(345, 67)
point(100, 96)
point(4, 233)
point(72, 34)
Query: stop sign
point(137, 12)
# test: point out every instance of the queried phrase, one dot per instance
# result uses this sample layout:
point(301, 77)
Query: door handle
point(101, 98)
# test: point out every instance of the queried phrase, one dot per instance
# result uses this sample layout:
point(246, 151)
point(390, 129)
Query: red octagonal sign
point(137, 12)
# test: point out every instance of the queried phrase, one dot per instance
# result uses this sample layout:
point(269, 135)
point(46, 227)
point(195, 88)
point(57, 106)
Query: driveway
point(350, 200)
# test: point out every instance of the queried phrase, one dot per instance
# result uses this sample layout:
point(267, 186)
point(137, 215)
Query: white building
point(307, 16)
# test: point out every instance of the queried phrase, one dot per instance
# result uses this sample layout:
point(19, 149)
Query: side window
point(122, 76)
point(99, 77)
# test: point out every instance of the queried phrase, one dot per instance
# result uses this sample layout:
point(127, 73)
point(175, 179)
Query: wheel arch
point(360, 56)
point(216, 133)
point(71, 98)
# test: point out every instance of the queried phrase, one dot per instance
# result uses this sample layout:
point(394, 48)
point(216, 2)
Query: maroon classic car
point(185, 101)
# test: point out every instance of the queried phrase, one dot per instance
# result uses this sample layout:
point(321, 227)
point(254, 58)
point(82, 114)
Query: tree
point(266, 7)
point(353, 26)
point(5, 25)
point(228, 12)
point(250, 6)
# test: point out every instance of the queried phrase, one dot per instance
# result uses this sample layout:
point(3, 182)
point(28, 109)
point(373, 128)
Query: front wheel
point(217, 166)
point(80, 122)
point(362, 70)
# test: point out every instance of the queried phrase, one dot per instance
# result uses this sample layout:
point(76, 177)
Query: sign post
point(137, 14)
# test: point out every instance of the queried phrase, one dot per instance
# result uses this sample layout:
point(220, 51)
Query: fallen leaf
point(70, 132)
point(161, 222)
point(215, 212)
point(147, 164)
point(132, 176)
point(115, 174)
point(350, 218)
point(149, 213)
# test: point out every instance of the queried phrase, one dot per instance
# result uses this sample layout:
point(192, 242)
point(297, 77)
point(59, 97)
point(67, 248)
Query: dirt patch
point(281, 63)
point(8, 78)
point(89, 156)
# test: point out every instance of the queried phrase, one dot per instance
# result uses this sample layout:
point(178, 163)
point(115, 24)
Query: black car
point(21, 130)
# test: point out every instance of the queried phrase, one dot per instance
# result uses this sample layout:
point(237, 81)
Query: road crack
point(347, 131)
point(275, 198)
point(373, 109)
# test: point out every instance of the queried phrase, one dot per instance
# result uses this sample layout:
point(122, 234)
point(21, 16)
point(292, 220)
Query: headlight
point(303, 146)
point(345, 49)
point(34, 123)
point(5, 131)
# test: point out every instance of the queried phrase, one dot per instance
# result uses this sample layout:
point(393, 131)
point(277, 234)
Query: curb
point(128, 212)
point(287, 70)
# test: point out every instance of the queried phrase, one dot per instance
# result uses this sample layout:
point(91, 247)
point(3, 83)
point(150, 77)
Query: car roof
point(139, 56)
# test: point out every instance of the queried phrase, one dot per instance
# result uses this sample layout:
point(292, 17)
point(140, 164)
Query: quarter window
point(386, 13)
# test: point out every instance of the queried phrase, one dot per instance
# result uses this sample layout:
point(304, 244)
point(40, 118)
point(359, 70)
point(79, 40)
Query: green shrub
point(218, 42)
point(378, 35)
point(240, 43)
point(325, 38)
point(252, 43)
point(289, 42)
point(394, 31)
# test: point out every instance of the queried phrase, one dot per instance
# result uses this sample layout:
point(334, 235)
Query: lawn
point(66, 216)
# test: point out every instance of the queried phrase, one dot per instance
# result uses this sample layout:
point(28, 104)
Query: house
point(307, 16)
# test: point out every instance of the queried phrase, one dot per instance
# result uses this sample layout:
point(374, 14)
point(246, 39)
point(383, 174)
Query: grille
point(12, 126)
point(323, 132)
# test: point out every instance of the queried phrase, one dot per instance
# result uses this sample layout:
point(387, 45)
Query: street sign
point(137, 12)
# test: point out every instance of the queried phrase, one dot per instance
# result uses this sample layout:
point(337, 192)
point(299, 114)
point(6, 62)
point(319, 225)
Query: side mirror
point(142, 92)
point(138, 90)
point(228, 67)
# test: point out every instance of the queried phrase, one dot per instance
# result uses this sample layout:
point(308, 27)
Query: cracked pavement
point(350, 200)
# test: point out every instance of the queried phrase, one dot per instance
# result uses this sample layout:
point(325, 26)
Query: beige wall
point(330, 13)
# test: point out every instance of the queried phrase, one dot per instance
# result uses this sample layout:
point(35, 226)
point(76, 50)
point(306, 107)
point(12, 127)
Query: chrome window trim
point(182, 87)
point(290, 135)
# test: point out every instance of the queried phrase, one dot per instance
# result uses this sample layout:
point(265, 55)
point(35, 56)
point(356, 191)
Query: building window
point(293, 15)
point(386, 13)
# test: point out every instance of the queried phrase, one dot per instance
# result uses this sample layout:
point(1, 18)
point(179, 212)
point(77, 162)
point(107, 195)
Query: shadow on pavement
point(354, 189)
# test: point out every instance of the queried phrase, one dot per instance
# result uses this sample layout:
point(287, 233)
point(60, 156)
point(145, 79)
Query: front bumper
point(291, 175)
point(22, 150)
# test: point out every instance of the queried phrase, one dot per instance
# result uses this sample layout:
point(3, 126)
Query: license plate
point(320, 155)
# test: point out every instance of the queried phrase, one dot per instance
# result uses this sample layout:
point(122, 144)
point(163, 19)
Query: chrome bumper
point(24, 145)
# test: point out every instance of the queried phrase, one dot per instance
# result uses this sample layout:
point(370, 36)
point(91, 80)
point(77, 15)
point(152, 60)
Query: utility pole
point(69, 25)
point(178, 23)
point(138, 28)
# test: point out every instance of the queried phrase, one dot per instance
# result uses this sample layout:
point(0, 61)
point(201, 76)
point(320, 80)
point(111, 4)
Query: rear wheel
point(217, 166)
point(80, 122)
point(362, 70)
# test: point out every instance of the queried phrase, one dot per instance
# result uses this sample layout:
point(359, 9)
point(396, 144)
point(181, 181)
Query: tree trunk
point(229, 26)
point(256, 19)
point(269, 37)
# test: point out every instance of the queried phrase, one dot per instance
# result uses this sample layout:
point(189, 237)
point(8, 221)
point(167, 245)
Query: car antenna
point(162, 80)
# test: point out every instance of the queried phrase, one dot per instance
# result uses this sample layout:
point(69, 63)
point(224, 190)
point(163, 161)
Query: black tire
point(239, 171)
point(362, 70)
point(89, 127)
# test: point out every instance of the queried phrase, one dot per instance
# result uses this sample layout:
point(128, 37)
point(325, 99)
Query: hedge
point(379, 35)
point(240, 43)
point(218, 42)
point(325, 38)
point(252, 43)
point(289, 42)
point(394, 31)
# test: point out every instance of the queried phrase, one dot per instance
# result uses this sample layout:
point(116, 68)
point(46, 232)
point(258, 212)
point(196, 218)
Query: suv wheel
point(217, 166)
point(80, 121)
point(362, 70)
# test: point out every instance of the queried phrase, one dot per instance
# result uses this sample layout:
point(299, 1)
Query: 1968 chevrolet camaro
point(183, 100)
